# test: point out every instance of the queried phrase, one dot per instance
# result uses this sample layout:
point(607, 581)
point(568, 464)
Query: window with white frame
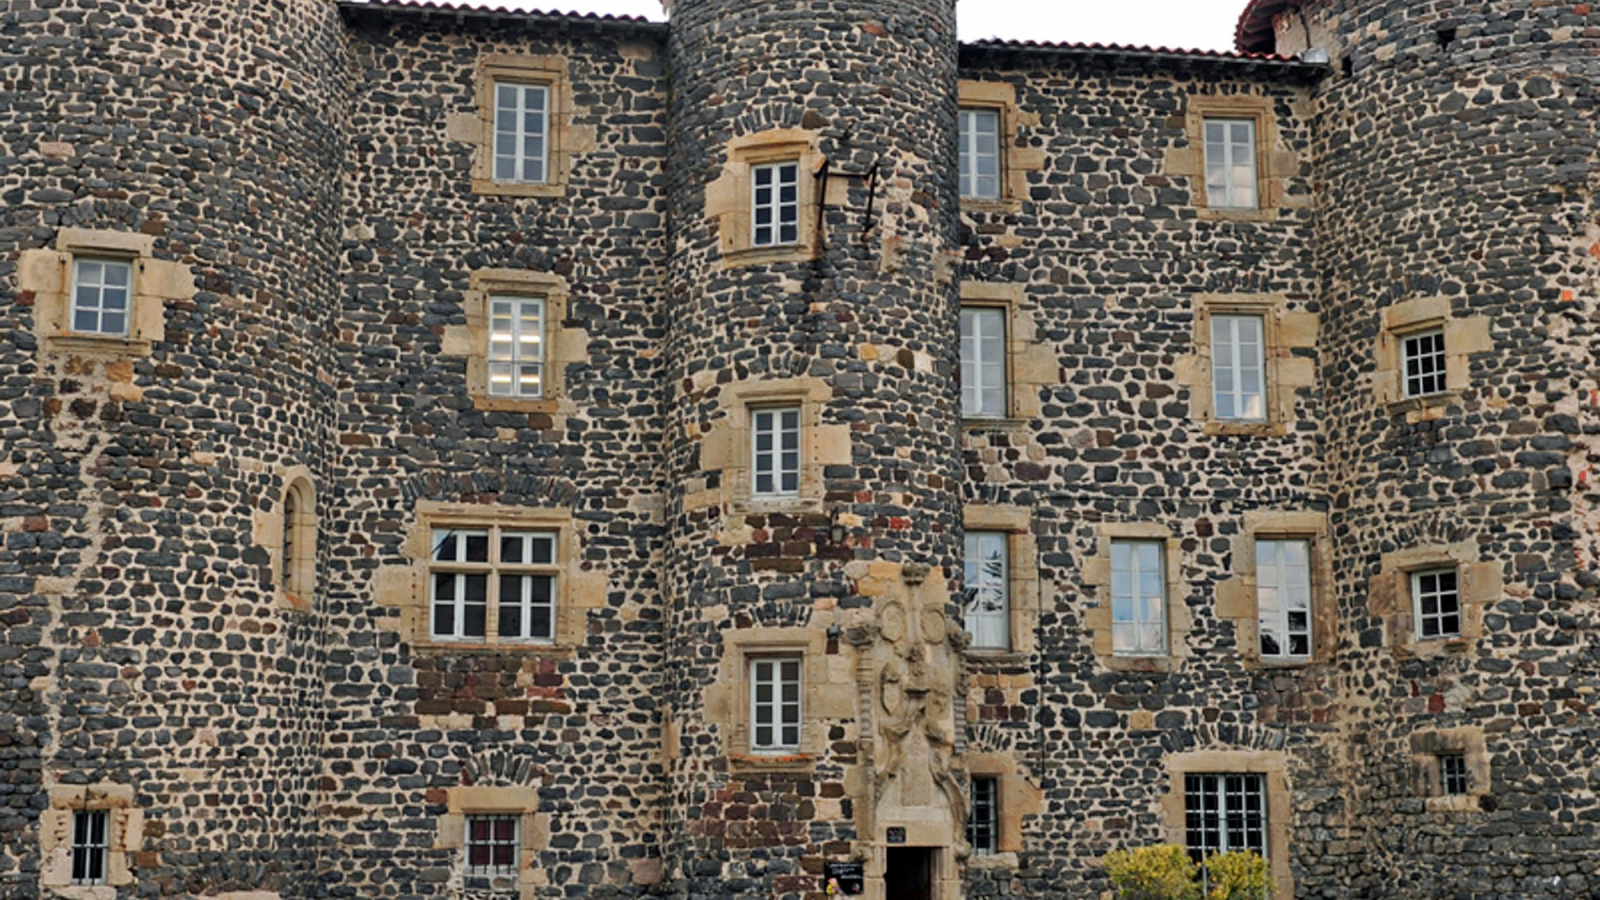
point(988, 589)
point(516, 347)
point(1453, 774)
point(1436, 596)
point(1231, 163)
point(1138, 598)
point(775, 204)
point(89, 845)
point(1283, 598)
point(983, 825)
point(775, 451)
point(775, 704)
point(1224, 812)
point(101, 290)
point(521, 132)
point(1422, 362)
point(983, 362)
point(479, 575)
point(1238, 367)
point(980, 154)
point(493, 843)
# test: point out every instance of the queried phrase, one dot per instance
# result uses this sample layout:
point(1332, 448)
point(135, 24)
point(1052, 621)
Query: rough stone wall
point(141, 642)
point(580, 727)
point(1497, 99)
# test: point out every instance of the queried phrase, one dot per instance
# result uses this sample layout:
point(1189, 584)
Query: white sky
point(1189, 24)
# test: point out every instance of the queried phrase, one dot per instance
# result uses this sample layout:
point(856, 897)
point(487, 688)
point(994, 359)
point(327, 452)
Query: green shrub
point(1237, 875)
point(1161, 872)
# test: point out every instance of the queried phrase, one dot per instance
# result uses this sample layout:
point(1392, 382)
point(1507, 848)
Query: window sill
point(749, 256)
point(516, 404)
point(1002, 205)
point(470, 648)
point(996, 423)
point(490, 188)
point(1216, 214)
point(1162, 665)
point(777, 505)
point(759, 762)
point(1416, 406)
point(988, 656)
point(1455, 803)
point(1004, 859)
point(97, 345)
point(1230, 428)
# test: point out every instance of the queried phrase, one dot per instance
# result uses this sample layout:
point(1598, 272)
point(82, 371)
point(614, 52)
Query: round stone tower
point(169, 677)
point(1458, 236)
point(813, 442)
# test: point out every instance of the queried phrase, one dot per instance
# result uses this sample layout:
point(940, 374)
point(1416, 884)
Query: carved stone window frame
point(828, 694)
point(1464, 336)
point(1098, 618)
point(728, 198)
point(488, 800)
point(1237, 597)
point(1275, 164)
point(1016, 522)
point(124, 838)
point(1273, 766)
point(1016, 160)
point(564, 345)
point(567, 139)
point(1466, 741)
point(1479, 585)
point(1285, 373)
point(48, 276)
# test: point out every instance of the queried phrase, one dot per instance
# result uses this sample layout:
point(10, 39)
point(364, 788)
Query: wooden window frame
point(515, 360)
point(1004, 613)
point(520, 158)
point(969, 153)
point(775, 413)
point(1238, 369)
point(494, 570)
point(777, 661)
point(1230, 148)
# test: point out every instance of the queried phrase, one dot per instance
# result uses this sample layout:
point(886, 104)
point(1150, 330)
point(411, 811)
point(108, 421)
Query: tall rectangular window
point(1423, 362)
point(1283, 598)
point(100, 294)
point(983, 828)
point(775, 704)
point(1231, 163)
point(983, 362)
point(1437, 599)
point(1224, 812)
point(775, 451)
point(1138, 598)
point(516, 347)
point(493, 844)
point(988, 601)
point(775, 204)
point(89, 846)
point(521, 132)
point(479, 573)
point(1453, 773)
point(1238, 367)
point(980, 154)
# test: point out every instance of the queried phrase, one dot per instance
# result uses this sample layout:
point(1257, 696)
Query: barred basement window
point(983, 362)
point(775, 451)
point(1283, 598)
point(1231, 163)
point(775, 704)
point(89, 846)
point(1138, 598)
point(1224, 812)
point(516, 347)
point(484, 575)
point(775, 204)
point(983, 827)
point(1453, 773)
point(1422, 361)
point(988, 589)
point(1238, 367)
point(1437, 596)
point(493, 844)
point(101, 290)
point(521, 132)
point(980, 154)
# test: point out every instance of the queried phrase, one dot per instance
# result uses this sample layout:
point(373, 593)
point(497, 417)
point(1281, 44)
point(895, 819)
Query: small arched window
point(298, 555)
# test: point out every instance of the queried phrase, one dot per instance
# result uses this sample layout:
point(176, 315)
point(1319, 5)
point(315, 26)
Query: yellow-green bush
point(1162, 872)
point(1237, 875)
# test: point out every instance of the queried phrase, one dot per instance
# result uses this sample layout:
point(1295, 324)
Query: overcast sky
point(1193, 24)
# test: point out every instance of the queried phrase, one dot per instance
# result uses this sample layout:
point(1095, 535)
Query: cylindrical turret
point(812, 440)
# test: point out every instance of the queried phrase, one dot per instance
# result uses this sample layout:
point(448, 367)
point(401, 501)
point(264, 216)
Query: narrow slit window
point(1423, 360)
point(775, 204)
point(101, 290)
point(521, 132)
point(507, 576)
point(983, 828)
point(89, 846)
point(1238, 367)
point(980, 154)
point(983, 362)
point(298, 554)
point(1283, 598)
point(1453, 774)
point(1225, 813)
point(516, 347)
point(1437, 597)
point(988, 579)
point(775, 704)
point(1231, 163)
point(493, 844)
point(775, 451)
point(1138, 598)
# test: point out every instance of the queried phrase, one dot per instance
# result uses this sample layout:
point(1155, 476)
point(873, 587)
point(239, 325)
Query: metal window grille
point(483, 574)
point(775, 704)
point(1453, 773)
point(775, 204)
point(89, 844)
point(521, 132)
point(979, 161)
point(493, 844)
point(1422, 356)
point(1437, 596)
point(1225, 812)
point(983, 362)
point(775, 451)
point(101, 289)
point(983, 828)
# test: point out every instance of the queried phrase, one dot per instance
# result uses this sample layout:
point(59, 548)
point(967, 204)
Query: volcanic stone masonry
point(231, 519)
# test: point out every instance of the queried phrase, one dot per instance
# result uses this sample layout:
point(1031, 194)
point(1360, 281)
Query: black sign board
point(895, 836)
point(851, 876)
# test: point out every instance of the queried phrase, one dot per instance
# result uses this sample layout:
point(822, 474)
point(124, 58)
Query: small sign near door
point(895, 836)
point(851, 877)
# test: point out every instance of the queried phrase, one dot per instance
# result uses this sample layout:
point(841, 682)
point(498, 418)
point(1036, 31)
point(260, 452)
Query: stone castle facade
point(463, 452)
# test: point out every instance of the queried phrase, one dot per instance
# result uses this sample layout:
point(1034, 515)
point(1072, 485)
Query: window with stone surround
point(1002, 581)
point(492, 844)
point(979, 158)
point(1280, 595)
point(775, 204)
point(494, 833)
point(1234, 160)
point(776, 696)
point(1004, 365)
point(101, 293)
point(983, 362)
point(1424, 354)
point(1422, 361)
point(767, 428)
point(765, 200)
point(775, 440)
point(1231, 164)
point(1141, 618)
point(1436, 598)
point(88, 835)
point(988, 590)
point(776, 704)
point(983, 819)
point(1003, 796)
point(524, 130)
point(516, 347)
point(1431, 598)
point(1138, 598)
point(521, 132)
point(995, 156)
point(297, 557)
point(1227, 799)
point(1253, 356)
point(89, 828)
point(517, 341)
point(1450, 768)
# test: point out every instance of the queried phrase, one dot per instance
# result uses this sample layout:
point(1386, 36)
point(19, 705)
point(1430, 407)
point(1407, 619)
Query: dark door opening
point(909, 873)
